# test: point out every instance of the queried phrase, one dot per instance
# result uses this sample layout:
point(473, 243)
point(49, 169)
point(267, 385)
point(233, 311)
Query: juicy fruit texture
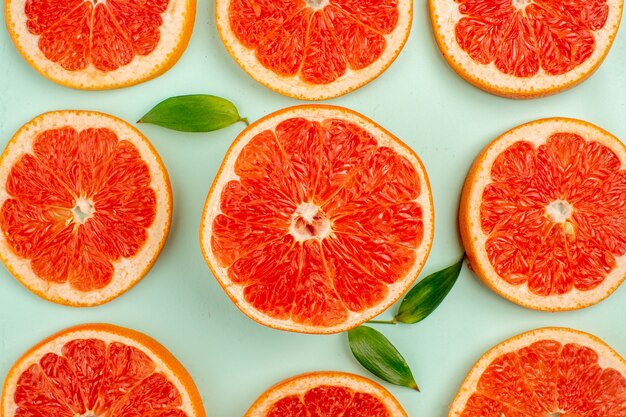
point(76, 33)
point(523, 36)
point(79, 201)
point(319, 220)
point(95, 377)
point(326, 394)
point(553, 372)
point(318, 40)
point(543, 211)
point(99, 370)
point(555, 214)
point(327, 401)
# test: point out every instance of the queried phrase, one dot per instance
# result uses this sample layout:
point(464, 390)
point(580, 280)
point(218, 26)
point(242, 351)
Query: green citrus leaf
point(426, 296)
point(193, 113)
point(374, 351)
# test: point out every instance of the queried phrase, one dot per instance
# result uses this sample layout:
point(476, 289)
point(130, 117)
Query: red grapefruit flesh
point(545, 372)
point(99, 44)
point(543, 213)
point(326, 394)
point(314, 49)
point(86, 206)
point(525, 48)
point(99, 370)
point(318, 220)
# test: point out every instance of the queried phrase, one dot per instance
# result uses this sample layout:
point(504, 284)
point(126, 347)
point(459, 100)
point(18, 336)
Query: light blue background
point(232, 359)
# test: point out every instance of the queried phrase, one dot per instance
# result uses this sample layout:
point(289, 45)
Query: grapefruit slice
point(545, 372)
point(525, 48)
point(543, 214)
point(99, 370)
point(100, 44)
point(314, 49)
point(326, 394)
point(318, 220)
point(85, 209)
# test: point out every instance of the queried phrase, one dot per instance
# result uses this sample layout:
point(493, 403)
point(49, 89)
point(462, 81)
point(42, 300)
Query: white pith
point(212, 209)
point(83, 211)
point(299, 385)
point(55, 346)
point(445, 15)
point(559, 211)
point(608, 358)
point(141, 68)
point(127, 270)
point(537, 133)
point(294, 86)
point(307, 213)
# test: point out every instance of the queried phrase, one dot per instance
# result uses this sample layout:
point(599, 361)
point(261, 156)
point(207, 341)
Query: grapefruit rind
point(164, 362)
point(474, 238)
point(128, 271)
point(294, 86)
point(178, 22)
point(444, 16)
point(227, 173)
point(300, 384)
point(608, 358)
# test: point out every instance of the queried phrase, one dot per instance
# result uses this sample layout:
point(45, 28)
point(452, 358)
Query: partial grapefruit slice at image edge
point(99, 369)
point(314, 49)
point(85, 206)
point(543, 213)
point(335, 393)
point(100, 45)
point(577, 38)
point(550, 371)
point(311, 237)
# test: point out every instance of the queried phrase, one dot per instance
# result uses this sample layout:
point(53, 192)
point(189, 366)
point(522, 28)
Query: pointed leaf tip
point(376, 353)
point(193, 113)
point(426, 296)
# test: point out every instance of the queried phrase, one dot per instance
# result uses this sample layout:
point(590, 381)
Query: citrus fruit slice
point(318, 220)
point(100, 44)
point(85, 209)
point(326, 394)
point(546, 372)
point(314, 49)
point(543, 214)
point(525, 48)
point(99, 370)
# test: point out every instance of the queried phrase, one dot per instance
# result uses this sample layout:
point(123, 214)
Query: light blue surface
point(232, 359)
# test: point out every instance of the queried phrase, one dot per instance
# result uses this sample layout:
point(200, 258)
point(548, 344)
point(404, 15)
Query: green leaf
point(372, 349)
point(426, 296)
point(193, 113)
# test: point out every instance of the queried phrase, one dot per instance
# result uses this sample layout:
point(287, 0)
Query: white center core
point(309, 222)
point(316, 4)
point(559, 211)
point(83, 210)
point(521, 4)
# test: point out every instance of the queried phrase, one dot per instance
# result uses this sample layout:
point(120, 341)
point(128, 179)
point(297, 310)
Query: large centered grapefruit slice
point(326, 394)
point(525, 48)
point(543, 214)
point(100, 44)
point(99, 370)
point(314, 49)
point(85, 206)
point(548, 372)
point(318, 220)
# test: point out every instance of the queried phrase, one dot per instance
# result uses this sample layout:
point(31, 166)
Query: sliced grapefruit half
point(318, 220)
point(100, 44)
point(543, 214)
point(99, 370)
point(85, 206)
point(326, 394)
point(525, 48)
point(314, 49)
point(545, 372)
